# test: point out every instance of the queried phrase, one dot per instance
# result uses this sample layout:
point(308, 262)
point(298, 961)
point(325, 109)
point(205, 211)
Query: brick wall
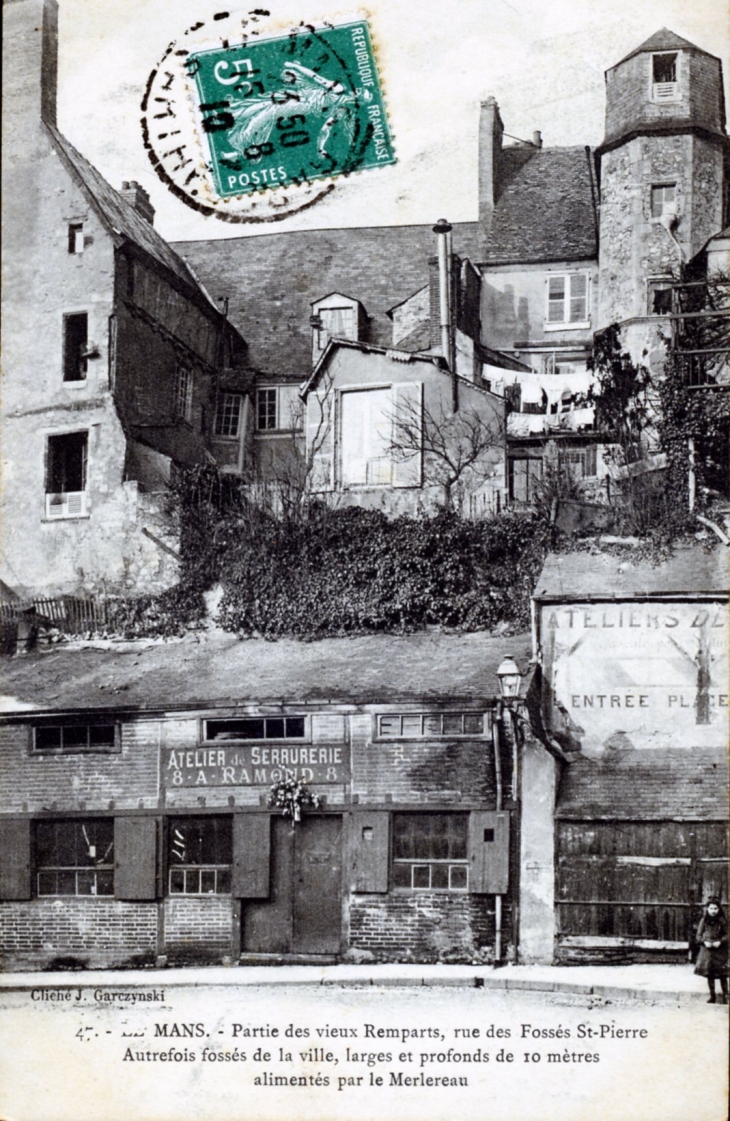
point(422, 771)
point(426, 926)
point(67, 932)
point(123, 780)
point(197, 929)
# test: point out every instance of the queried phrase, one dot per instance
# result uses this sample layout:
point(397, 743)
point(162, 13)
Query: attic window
point(76, 237)
point(340, 322)
point(664, 86)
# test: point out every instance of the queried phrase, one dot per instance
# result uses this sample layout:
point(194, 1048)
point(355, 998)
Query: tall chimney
point(442, 229)
point(490, 148)
point(137, 197)
point(30, 50)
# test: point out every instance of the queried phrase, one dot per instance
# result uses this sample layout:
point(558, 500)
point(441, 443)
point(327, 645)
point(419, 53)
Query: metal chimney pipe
point(443, 231)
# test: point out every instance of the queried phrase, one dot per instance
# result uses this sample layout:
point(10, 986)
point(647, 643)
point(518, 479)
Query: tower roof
point(664, 40)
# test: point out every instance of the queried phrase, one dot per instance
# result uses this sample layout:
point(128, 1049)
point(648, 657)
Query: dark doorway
point(303, 913)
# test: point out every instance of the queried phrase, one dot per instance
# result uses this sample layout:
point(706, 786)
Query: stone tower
point(663, 177)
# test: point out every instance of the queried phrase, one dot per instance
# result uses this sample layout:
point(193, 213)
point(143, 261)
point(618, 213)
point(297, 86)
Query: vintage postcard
point(364, 561)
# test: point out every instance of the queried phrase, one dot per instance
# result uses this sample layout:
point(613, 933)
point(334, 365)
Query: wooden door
point(303, 912)
point(317, 896)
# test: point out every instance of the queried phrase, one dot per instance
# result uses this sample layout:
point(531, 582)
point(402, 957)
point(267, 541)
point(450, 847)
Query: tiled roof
point(218, 669)
point(690, 570)
point(663, 40)
point(634, 785)
point(271, 280)
point(546, 207)
point(121, 218)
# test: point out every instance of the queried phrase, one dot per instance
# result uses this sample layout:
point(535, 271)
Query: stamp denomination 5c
point(291, 109)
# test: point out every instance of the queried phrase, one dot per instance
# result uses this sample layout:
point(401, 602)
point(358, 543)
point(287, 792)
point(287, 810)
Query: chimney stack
point(137, 197)
point(537, 139)
point(30, 50)
point(490, 149)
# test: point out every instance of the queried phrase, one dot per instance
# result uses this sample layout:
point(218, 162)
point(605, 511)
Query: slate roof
point(216, 669)
point(121, 218)
point(546, 207)
point(690, 571)
point(272, 279)
point(663, 40)
point(686, 783)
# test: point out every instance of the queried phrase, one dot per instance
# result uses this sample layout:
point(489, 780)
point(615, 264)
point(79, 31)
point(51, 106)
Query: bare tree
point(459, 450)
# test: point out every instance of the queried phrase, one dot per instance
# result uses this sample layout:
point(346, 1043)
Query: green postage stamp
point(291, 109)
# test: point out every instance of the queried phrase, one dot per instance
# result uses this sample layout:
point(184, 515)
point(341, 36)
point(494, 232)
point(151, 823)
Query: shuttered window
point(567, 299)
point(15, 877)
point(135, 863)
point(251, 852)
point(489, 852)
point(369, 840)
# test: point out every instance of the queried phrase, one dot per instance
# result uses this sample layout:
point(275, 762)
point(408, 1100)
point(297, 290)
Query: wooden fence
point(70, 614)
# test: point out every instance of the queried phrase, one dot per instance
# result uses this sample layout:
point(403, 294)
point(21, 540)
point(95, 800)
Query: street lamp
point(509, 677)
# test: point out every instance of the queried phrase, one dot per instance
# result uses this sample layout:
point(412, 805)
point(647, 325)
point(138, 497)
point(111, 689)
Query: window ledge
point(278, 432)
point(584, 325)
point(67, 518)
point(75, 383)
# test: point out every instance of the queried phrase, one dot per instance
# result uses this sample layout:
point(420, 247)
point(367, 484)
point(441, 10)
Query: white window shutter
point(408, 408)
point(321, 440)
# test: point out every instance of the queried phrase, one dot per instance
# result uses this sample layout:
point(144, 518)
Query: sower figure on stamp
point(712, 940)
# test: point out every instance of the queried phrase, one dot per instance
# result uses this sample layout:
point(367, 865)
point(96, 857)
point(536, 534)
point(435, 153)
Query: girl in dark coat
point(712, 958)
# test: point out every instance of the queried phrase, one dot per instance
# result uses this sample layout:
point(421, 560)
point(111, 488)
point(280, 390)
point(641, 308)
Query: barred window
point(200, 853)
point(75, 857)
point(430, 851)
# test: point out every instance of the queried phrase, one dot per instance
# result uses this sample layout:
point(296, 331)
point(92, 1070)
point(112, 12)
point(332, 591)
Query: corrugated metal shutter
point(251, 856)
point(489, 852)
point(135, 858)
point(369, 840)
point(15, 859)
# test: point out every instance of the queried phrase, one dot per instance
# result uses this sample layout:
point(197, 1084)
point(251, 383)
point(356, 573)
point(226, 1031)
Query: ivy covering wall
point(334, 572)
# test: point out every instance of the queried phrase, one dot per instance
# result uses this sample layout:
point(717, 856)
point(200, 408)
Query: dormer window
point(664, 76)
point(338, 322)
point(335, 317)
